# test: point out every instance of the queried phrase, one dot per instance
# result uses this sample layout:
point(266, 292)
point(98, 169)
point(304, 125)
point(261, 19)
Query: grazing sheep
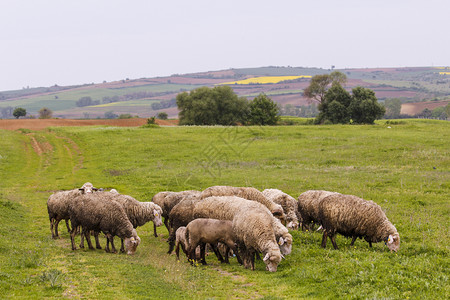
point(94, 212)
point(167, 200)
point(354, 217)
point(181, 215)
point(289, 204)
point(227, 207)
point(248, 193)
point(308, 207)
point(180, 240)
point(210, 231)
point(139, 213)
point(58, 206)
point(254, 231)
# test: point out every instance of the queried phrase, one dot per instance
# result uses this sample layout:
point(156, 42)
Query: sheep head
point(272, 259)
point(292, 225)
point(393, 242)
point(157, 219)
point(285, 244)
point(87, 188)
point(132, 243)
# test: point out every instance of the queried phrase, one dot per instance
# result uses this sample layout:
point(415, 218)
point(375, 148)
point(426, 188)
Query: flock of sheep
point(241, 219)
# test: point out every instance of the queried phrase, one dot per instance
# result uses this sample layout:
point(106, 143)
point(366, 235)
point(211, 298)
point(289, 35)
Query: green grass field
point(403, 166)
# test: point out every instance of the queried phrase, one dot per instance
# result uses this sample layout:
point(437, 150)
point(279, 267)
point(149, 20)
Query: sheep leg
point(333, 241)
point(177, 250)
point(235, 250)
point(97, 242)
point(370, 244)
point(51, 229)
point(122, 247)
point(217, 253)
point(353, 240)
point(113, 249)
point(154, 230)
point(72, 239)
point(107, 245)
point(324, 239)
point(82, 239)
point(56, 228)
point(67, 225)
point(171, 241)
point(252, 260)
point(88, 239)
point(202, 253)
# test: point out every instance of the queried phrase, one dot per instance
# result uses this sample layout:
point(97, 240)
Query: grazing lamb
point(182, 242)
point(308, 207)
point(210, 231)
point(58, 206)
point(167, 200)
point(248, 193)
point(354, 217)
point(94, 212)
point(181, 215)
point(254, 231)
point(289, 204)
point(227, 207)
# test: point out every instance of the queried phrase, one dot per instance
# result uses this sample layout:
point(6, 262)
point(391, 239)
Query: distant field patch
point(444, 73)
point(267, 79)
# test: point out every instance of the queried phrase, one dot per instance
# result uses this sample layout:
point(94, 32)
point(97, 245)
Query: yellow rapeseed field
point(444, 73)
point(266, 79)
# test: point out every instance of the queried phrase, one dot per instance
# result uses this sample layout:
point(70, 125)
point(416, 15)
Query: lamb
point(94, 212)
point(249, 193)
point(180, 241)
point(183, 243)
point(255, 233)
point(181, 215)
point(167, 200)
point(308, 206)
point(212, 231)
point(288, 203)
point(227, 207)
point(58, 206)
point(354, 217)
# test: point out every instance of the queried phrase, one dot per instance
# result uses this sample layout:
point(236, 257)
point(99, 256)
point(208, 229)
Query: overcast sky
point(47, 42)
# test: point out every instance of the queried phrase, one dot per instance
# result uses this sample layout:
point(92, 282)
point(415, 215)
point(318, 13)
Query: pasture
point(403, 166)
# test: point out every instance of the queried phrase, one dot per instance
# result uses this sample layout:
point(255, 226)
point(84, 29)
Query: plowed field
point(40, 124)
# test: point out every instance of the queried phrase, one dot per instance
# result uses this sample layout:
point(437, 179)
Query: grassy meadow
point(404, 166)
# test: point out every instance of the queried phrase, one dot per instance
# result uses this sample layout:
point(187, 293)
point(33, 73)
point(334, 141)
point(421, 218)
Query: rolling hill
point(147, 97)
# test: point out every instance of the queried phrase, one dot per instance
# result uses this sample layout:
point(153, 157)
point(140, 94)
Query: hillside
point(147, 97)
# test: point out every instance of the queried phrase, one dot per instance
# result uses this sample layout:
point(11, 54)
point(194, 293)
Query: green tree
point(45, 113)
point(364, 107)
point(19, 112)
point(216, 106)
point(110, 115)
point(320, 83)
point(263, 111)
point(162, 116)
point(393, 108)
point(334, 106)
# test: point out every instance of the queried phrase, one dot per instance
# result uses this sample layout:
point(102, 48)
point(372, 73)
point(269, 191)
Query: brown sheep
point(210, 231)
point(308, 207)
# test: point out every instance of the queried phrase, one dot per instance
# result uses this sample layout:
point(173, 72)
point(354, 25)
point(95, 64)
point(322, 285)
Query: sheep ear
point(81, 190)
point(266, 257)
point(95, 189)
point(281, 241)
point(390, 239)
point(155, 213)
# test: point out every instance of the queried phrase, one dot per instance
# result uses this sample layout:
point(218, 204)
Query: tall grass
point(404, 168)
